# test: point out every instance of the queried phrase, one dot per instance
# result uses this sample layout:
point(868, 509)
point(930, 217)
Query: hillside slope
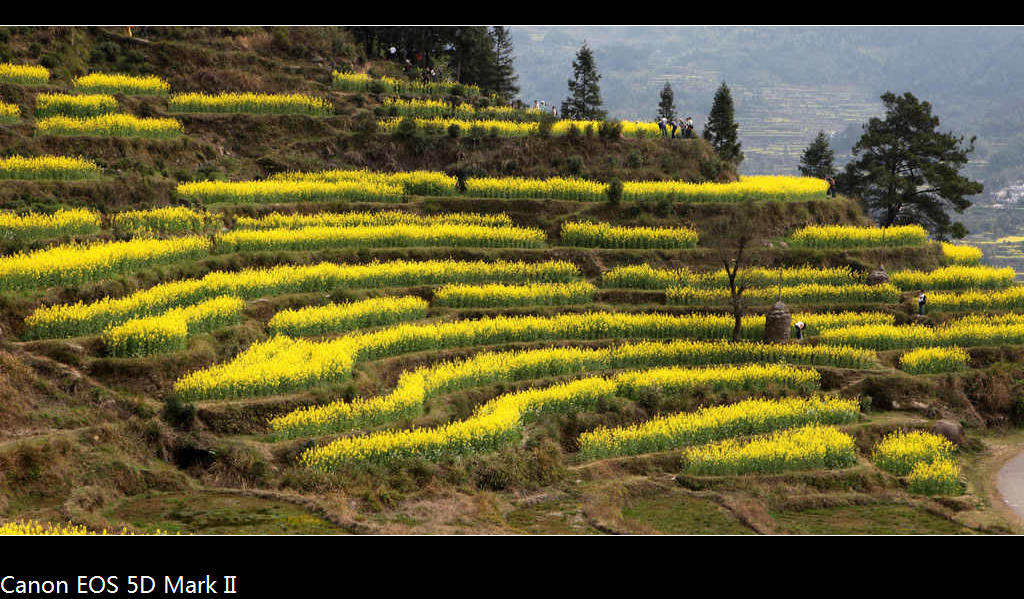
point(111, 440)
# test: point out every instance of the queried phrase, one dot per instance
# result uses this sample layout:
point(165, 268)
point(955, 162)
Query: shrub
point(177, 413)
point(711, 168)
point(574, 165)
point(406, 129)
point(544, 126)
point(1017, 413)
point(477, 133)
point(364, 124)
point(615, 191)
point(609, 130)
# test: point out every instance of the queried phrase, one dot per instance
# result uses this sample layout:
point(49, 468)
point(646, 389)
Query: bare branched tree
point(735, 234)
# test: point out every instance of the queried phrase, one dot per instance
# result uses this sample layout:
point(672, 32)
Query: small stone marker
point(878, 277)
point(777, 323)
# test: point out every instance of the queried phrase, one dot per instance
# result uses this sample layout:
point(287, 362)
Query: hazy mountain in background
point(789, 82)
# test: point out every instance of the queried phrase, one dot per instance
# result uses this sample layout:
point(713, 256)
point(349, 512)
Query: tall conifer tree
point(667, 106)
point(505, 82)
point(721, 129)
point(817, 159)
point(584, 101)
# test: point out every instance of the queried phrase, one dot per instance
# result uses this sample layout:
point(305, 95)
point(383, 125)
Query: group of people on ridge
point(542, 106)
point(686, 126)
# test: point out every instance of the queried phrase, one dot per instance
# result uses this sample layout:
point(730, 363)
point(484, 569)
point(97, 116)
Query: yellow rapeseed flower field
point(496, 295)
point(34, 527)
point(276, 220)
point(117, 83)
point(933, 360)
point(33, 226)
point(560, 188)
point(1010, 298)
point(804, 293)
point(498, 422)
point(74, 105)
point(433, 235)
point(812, 447)
point(763, 187)
point(74, 264)
point(938, 477)
point(405, 338)
point(273, 191)
point(65, 320)
point(708, 424)
point(603, 235)
point(961, 254)
point(257, 103)
point(415, 387)
point(111, 125)
point(963, 333)
point(567, 188)
point(838, 237)
point(23, 74)
point(47, 167)
point(172, 220)
point(341, 318)
point(645, 276)
point(9, 113)
point(169, 331)
point(425, 183)
point(900, 451)
point(954, 277)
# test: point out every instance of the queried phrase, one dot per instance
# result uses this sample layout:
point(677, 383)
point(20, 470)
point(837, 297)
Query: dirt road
point(1011, 484)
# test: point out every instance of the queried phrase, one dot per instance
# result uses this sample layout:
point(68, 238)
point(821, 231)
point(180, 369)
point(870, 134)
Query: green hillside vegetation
point(363, 334)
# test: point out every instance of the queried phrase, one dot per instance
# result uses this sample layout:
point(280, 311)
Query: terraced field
point(373, 350)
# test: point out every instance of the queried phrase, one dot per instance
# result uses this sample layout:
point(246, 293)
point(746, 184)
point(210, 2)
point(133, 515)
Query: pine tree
point(667, 107)
point(721, 129)
point(473, 56)
point(817, 159)
point(907, 171)
point(584, 101)
point(504, 79)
